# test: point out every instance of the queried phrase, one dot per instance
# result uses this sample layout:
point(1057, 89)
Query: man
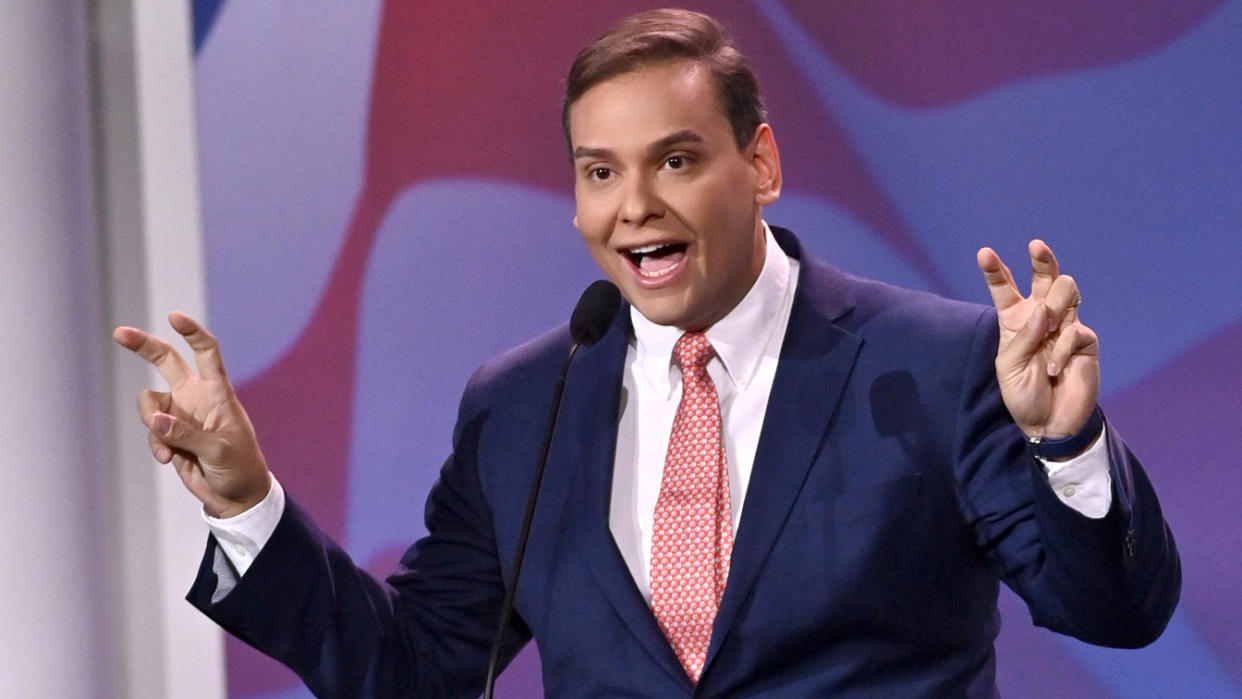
point(768, 477)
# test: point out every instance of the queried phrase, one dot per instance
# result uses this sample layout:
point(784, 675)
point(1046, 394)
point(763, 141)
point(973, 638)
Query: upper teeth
point(648, 248)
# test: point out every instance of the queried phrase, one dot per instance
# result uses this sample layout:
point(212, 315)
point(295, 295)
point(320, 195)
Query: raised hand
point(198, 424)
point(1048, 361)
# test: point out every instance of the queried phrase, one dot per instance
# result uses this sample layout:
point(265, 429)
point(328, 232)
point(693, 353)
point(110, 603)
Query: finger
point(162, 355)
point(1075, 340)
point(1043, 268)
point(206, 348)
point(184, 466)
point(150, 402)
point(999, 279)
point(1026, 343)
point(1062, 302)
point(161, 451)
point(180, 434)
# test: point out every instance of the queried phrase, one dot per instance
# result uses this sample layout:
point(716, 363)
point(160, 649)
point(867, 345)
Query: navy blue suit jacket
point(890, 493)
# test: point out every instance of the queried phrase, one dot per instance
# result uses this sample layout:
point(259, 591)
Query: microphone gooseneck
point(588, 323)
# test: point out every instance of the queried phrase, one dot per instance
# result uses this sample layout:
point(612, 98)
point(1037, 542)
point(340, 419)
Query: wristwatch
point(1073, 445)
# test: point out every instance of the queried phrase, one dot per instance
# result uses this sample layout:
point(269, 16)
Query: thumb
point(178, 433)
point(1024, 345)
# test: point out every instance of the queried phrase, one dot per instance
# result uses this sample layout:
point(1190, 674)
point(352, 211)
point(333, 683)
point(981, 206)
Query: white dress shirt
point(748, 343)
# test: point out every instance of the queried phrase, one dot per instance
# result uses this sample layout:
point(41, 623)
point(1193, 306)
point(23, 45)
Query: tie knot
point(693, 352)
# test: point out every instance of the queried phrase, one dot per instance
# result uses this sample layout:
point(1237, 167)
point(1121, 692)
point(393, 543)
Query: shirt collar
point(739, 338)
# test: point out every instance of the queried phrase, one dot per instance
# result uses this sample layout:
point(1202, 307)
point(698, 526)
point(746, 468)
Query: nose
point(642, 203)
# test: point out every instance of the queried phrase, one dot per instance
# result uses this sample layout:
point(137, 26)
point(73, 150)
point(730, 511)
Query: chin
point(660, 315)
point(657, 318)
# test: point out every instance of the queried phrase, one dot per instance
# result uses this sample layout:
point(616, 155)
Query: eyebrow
point(683, 136)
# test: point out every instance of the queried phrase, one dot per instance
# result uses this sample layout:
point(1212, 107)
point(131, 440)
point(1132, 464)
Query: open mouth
point(657, 260)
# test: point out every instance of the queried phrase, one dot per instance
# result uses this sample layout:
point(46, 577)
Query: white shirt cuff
point(242, 536)
point(1084, 483)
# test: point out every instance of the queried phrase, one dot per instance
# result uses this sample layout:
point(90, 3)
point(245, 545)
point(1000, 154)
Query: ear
point(576, 222)
point(766, 161)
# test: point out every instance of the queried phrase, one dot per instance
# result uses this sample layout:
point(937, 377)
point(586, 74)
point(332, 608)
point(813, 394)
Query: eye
point(599, 174)
point(680, 162)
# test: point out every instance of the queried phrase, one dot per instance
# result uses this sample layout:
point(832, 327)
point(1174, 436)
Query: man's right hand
point(198, 424)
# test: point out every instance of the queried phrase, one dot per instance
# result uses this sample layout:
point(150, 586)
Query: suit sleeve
point(1113, 581)
point(424, 631)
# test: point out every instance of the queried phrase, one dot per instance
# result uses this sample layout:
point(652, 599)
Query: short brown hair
point(669, 34)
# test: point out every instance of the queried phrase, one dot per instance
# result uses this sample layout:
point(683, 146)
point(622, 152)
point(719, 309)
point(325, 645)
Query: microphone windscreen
point(594, 312)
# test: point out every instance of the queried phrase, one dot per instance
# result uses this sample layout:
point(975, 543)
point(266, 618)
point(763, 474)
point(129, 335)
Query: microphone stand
point(589, 322)
point(506, 609)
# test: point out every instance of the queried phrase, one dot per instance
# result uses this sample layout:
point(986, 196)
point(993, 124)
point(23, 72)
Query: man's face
point(666, 203)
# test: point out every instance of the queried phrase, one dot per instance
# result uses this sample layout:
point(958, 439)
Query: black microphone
point(589, 322)
point(594, 313)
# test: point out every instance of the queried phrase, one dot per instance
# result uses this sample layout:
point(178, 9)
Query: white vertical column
point(55, 613)
point(153, 263)
point(99, 225)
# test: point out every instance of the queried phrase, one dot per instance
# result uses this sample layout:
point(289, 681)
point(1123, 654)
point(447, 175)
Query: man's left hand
point(1048, 361)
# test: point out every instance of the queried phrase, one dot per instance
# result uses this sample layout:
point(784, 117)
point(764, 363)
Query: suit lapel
point(816, 360)
point(586, 441)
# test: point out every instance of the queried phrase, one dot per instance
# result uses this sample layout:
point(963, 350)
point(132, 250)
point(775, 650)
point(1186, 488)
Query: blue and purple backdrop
point(387, 203)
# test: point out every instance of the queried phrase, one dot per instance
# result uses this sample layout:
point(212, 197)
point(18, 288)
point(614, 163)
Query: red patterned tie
point(692, 535)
